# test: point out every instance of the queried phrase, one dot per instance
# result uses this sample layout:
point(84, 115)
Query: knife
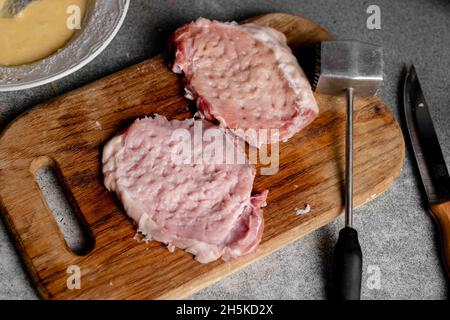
point(429, 158)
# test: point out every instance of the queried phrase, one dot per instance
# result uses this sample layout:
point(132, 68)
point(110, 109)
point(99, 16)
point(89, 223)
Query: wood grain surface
point(441, 214)
point(69, 132)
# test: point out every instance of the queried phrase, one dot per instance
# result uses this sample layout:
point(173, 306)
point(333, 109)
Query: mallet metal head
point(349, 64)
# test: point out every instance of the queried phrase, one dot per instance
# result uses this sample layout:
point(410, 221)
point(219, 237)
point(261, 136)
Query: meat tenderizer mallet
point(354, 68)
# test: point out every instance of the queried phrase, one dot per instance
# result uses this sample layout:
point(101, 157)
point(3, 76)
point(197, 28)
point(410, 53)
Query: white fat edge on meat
point(188, 94)
point(110, 151)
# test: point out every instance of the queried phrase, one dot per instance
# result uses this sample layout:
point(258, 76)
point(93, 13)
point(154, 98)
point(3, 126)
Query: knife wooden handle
point(441, 213)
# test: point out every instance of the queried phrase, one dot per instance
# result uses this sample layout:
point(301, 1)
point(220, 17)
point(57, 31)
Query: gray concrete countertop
point(398, 237)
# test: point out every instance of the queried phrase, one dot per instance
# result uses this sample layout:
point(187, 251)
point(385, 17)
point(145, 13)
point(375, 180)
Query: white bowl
point(102, 21)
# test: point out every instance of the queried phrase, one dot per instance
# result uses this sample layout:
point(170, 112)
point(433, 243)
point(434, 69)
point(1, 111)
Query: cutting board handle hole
point(62, 206)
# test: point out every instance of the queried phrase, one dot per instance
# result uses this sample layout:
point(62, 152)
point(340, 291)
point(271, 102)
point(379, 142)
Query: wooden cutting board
point(69, 132)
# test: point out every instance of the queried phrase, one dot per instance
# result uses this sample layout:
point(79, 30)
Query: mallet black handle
point(347, 266)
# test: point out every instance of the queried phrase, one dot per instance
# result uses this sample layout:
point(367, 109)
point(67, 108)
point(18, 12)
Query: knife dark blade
point(427, 151)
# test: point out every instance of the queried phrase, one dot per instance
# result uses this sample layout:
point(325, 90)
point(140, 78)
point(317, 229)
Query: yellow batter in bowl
point(38, 30)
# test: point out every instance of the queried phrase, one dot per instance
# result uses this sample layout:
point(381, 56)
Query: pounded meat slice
point(181, 192)
point(244, 77)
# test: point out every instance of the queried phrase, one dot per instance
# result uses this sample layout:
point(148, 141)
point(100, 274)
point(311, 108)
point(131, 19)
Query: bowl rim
point(73, 68)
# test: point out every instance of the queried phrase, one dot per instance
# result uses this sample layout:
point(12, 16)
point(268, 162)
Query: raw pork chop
point(244, 76)
point(204, 206)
